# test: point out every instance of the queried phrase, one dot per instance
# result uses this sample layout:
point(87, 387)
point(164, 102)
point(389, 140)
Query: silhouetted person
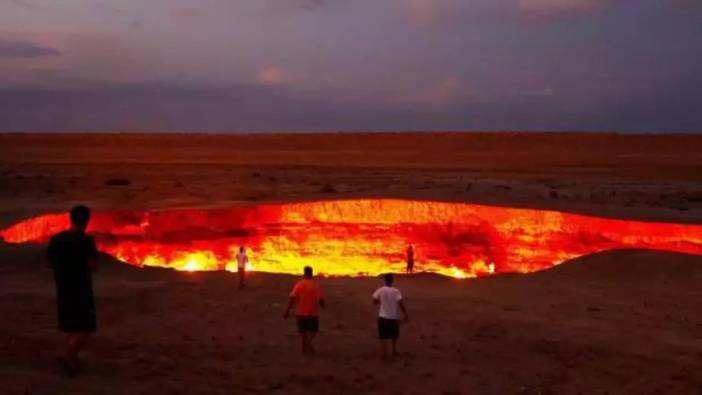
point(73, 257)
point(307, 297)
point(410, 259)
point(390, 300)
point(241, 261)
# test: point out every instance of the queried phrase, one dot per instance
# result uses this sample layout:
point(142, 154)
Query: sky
point(350, 65)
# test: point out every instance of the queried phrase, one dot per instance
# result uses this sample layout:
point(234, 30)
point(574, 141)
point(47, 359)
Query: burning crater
point(362, 237)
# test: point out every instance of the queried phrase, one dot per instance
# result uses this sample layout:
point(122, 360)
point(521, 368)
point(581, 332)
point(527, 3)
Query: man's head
point(241, 249)
point(80, 216)
point(308, 272)
point(388, 277)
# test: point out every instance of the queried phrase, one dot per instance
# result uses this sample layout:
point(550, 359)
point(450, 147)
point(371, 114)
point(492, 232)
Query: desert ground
point(625, 321)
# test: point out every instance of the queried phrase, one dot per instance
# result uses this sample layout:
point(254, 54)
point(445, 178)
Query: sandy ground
point(616, 322)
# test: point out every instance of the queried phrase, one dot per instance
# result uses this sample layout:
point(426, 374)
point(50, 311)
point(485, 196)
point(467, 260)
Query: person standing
point(410, 259)
point(73, 256)
point(241, 260)
point(306, 296)
point(390, 300)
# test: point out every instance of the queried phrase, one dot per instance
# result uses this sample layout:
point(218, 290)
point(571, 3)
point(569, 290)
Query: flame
point(362, 237)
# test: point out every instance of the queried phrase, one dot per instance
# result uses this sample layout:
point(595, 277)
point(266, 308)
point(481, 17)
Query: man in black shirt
point(73, 256)
point(410, 259)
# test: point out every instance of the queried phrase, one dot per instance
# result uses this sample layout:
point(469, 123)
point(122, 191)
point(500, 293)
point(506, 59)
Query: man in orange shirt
point(307, 297)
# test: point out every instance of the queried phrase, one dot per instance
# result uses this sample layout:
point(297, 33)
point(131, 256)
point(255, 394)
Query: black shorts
point(307, 324)
point(388, 329)
point(74, 320)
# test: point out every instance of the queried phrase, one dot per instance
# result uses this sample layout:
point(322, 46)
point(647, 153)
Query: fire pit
point(362, 237)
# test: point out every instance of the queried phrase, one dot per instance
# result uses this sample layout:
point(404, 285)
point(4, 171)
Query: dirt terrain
point(624, 176)
point(615, 322)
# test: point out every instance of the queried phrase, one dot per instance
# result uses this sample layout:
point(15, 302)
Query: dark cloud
point(312, 5)
point(22, 3)
point(24, 49)
point(111, 13)
point(179, 107)
point(157, 106)
point(353, 65)
point(688, 5)
point(548, 10)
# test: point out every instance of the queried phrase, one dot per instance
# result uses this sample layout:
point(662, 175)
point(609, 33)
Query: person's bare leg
point(75, 342)
point(394, 347)
point(383, 349)
point(310, 338)
point(303, 339)
point(67, 358)
point(68, 353)
point(241, 279)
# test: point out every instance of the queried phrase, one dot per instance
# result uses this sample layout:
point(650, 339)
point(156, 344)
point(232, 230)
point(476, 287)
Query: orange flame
point(362, 237)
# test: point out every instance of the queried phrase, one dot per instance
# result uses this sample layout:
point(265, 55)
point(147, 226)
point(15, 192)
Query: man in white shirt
point(390, 300)
point(241, 260)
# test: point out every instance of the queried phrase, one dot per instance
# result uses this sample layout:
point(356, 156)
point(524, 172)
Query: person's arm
point(322, 303)
point(93, 264)
point(50, 254)
point(291, 303)
point(404, 311)
point(376, 300)
point(94, 255)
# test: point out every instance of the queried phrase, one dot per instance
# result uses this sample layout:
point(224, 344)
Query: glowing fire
point(362, 237)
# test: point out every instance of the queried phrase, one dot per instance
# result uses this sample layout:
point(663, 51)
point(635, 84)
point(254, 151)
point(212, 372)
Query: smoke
point(24, 49)
point(553, 9)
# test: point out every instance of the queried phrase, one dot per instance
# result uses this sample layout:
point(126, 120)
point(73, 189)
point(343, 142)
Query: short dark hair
point(388, 278)
point(308, 271)
point(80, 215)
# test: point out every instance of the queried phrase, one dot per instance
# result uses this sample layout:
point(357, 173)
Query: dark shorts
point(307, 324)
point(74, 320)
point(388, 329)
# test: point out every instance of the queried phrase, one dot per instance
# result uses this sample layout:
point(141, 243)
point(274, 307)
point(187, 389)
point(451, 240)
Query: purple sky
point(318, 65)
